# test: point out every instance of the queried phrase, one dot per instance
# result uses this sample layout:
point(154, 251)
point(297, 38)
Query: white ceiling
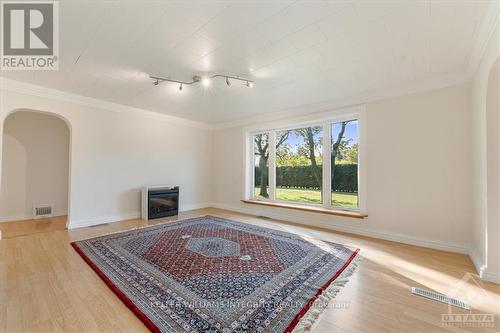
point(298, 52)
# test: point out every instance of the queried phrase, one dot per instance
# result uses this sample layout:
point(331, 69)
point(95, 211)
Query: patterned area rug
point(209, 274)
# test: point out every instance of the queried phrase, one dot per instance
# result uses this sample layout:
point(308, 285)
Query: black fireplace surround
point(163, 202)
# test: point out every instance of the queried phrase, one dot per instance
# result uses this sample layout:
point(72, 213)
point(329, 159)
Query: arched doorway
point(35, 173)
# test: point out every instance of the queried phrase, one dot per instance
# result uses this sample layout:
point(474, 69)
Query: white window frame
point(324, 119)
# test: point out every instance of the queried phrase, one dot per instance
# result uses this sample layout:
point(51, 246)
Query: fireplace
point(160, 201)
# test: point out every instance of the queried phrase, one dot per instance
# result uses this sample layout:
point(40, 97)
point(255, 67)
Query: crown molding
point(490, 22)
point(433, 83)
point(39, 91)
point(487, 29)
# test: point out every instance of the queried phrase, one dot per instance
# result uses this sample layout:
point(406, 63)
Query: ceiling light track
point(205, 80)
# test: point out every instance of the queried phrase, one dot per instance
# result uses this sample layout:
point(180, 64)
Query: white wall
point(486, 223)
point(116, 151)
point(419, 168)
point(35, 165)
point(13, 190)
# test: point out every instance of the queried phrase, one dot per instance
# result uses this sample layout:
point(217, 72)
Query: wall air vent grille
point(42, 211)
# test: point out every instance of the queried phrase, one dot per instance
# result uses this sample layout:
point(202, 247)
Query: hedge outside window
point(299, 164)
point(288, 165)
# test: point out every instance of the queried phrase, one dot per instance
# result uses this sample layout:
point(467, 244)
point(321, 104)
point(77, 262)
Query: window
point(344, 164)
point(261, 165)
point(299, 173)
point(315, 164)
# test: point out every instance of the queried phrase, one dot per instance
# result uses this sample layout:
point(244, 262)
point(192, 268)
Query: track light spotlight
point(157, 82)
point(227, 81)
point(205, 81)
point(180, 87)
point(249, 84)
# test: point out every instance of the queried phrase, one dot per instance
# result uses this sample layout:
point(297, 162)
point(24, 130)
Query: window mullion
point(250, 190)
point(272, 165)
point(327, 170)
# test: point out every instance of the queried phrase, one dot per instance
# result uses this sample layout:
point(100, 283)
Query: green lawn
point(349, 200)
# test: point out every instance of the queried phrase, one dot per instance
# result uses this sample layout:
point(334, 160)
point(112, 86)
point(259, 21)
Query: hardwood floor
point(29, 227)
point(46, 286)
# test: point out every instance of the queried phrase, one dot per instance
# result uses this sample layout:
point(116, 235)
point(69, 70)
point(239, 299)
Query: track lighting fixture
point(205, 81)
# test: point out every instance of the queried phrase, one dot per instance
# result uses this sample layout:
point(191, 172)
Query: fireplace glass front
point(163, 202)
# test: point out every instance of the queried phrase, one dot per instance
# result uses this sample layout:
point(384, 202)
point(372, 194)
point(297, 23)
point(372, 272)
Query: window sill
point(320, 210)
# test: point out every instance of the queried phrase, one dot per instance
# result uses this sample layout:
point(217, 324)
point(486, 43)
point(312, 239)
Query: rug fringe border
point(311, 318)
